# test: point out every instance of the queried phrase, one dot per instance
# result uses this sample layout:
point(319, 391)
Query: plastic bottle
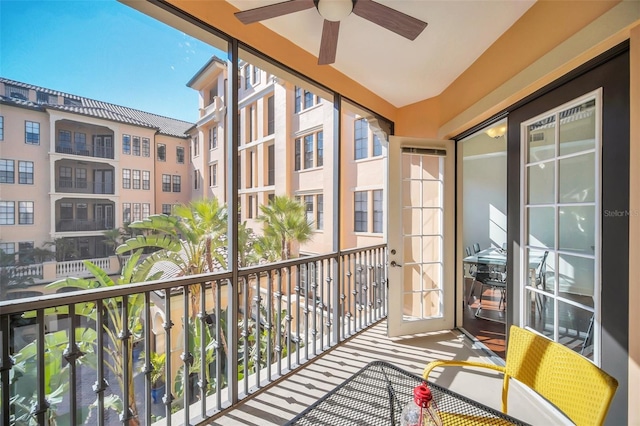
point(421, 410)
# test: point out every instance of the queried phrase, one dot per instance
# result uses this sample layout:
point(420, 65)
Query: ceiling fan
point(333, 11)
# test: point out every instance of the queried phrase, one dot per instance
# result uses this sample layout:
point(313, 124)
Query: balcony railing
point(78, 186)
point(223, 336)
point(76, 225)
point(86, 150)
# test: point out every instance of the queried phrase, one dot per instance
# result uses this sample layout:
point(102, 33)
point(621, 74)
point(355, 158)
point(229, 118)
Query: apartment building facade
point(286, 147)
point(72, 168)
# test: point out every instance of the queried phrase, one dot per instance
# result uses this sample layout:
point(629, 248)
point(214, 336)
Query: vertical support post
point(168, 397)
point(186, 357)
point(40, 410)
point(101, 383)
point(337, 199)
point(233, 137)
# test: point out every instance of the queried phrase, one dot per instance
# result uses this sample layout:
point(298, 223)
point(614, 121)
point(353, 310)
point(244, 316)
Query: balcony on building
point(82, 139)
point(84, 177)
point(84, 215)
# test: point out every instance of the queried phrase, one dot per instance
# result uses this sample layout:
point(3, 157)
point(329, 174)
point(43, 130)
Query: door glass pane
point(541, 182)
point(422, 235)
point(541, 226)
point(541, 139)
point(541, 269)
point(575, 278)
point(578, 128)
point(577, 177)
point(540, 314)
point(577, 229)
point(574, 328)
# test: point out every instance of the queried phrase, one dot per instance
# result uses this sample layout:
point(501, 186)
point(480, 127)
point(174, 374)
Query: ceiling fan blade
point(391, 19)
point(329, 42)
point(273, 10)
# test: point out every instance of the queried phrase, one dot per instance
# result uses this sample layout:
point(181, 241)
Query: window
point(136, 212)
point(256, 74)
point(7, 213)
point(196, 179)
point(271, 165)
point(298, 99)
point(177, 183)
point(180, 155)
point(136, 146)
point(296, 161)
point(247, 77)
point(146, 210)
point(16, 92)
point(195, 151)
point(308, 151)
point(65, 175)
point(213, 92)
point(25, 212)
point(64, 142)
point(250, 112)
point(126, 144)
point(271, 128)
point(162, 152)
point(377, 146)
point(360, 139)
point(126, 212)
point(213, 137)
point(215, 175)
point(320, 212)
point(377, 211)
point(146, 147)
point(360, 211)
point(126, 178)
point(82, 211)
point(250, 170)
point(319, 149)
point(308, 204)
point(80, 140)
point(308, 99)
point(1, 128)
point(146, 179)
point(7, 171)
point(32, 133)
point(136, 179)
point(66, 211)
point(7, 248)
point(81, 178)
point(166, 183)
point(25, 172)
point(166, 209)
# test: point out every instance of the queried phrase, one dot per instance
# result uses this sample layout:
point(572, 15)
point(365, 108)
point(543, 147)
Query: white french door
point(420, 235)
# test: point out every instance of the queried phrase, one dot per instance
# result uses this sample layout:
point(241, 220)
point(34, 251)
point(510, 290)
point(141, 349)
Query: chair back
point(476, 248)
point(577, 387)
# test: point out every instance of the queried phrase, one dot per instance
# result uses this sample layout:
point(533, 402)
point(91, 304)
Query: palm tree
point(285, 222)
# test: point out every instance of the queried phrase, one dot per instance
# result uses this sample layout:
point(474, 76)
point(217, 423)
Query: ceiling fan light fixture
point(497, 131)
point(334, 10)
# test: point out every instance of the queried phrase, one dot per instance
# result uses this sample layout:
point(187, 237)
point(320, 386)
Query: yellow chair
point(577, 387)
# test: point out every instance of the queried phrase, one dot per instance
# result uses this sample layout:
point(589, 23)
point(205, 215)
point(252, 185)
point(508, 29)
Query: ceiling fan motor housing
point(334, 10)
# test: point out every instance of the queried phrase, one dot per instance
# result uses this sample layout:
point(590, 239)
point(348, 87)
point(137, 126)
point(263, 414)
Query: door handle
point(393, 264)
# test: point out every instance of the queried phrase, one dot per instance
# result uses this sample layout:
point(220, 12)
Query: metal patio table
point(377, 393)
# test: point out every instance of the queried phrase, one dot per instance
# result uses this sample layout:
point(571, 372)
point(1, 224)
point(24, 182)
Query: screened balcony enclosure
point(241, 264)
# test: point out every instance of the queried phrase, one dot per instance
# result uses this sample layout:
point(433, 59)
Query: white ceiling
point(458, 32)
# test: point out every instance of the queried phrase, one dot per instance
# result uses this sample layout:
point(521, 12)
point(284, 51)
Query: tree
point(284, 220)
point(65, 249)
point(113, 238)
point(18, 271)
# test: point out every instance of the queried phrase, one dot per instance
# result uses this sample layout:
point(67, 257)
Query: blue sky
point(103, 50)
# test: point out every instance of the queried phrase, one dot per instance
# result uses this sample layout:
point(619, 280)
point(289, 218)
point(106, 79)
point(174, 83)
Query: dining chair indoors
point(574, 385)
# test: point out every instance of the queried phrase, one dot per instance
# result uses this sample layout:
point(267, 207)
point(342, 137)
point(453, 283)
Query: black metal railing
point(91, 354)
point(86, 150)
point(80, 186)
point(76, 225)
